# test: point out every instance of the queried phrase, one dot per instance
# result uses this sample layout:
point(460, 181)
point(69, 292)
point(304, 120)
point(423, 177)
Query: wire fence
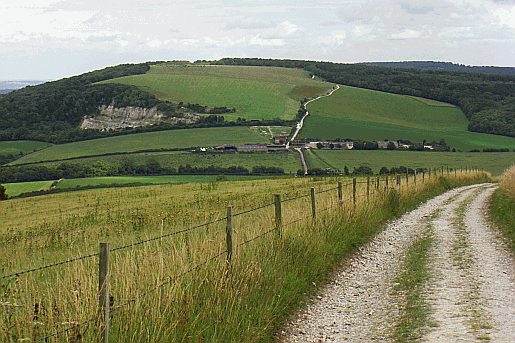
point(372, 185)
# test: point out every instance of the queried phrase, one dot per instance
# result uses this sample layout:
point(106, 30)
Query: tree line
point(127, 167)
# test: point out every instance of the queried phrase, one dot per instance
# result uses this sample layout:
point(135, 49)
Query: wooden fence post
point(368, 187)
point(103, 292)
point(354, 190)
point(423, 175)
point(386, 184)
point(415, 178)
point(229, 232)
point(407, 178)
point(398, 181)
point(313, 203)
point(340, 192)
point(278, 216)
point(377, 183)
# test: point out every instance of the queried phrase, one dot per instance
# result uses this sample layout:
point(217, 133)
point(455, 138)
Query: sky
point(51, 39)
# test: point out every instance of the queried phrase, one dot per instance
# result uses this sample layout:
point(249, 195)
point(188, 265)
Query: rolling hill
point(371, 115)
point(256, 92)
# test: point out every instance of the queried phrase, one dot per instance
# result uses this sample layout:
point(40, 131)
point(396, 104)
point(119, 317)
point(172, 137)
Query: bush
point(3, 196)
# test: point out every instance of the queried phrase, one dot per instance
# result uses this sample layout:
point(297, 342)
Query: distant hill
point(17, 84)
point(444, 66)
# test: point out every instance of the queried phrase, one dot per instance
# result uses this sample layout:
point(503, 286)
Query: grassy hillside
point(176, 139)
point(493, 162)
point(15, 147)
point(256, 92)
point(371, 115)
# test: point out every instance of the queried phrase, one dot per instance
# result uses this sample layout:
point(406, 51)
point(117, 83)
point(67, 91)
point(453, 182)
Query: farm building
point(252, 148)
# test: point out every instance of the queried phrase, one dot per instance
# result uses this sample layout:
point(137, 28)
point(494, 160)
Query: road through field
point(467, 296)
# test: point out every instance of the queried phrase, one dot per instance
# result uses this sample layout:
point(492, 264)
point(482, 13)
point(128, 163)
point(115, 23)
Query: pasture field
point(271, 131)
point(14, 189)
point(290, 162)
point(174, 139)
point(256, 92)
point(158, 180)
point(493, 162)
point(15, 147)
point(370, 115)
point(179, 287)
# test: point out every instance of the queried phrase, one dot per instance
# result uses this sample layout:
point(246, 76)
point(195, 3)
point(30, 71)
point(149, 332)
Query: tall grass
point(269, 278)
point(502, 206)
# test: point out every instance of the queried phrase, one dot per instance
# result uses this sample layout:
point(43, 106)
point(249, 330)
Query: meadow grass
point(256, 92)
point(269, 277)
point(175, 139)
point(502, 206)
point(17, 188)
point(495, 162)
point(371, 115)
point(15, 147)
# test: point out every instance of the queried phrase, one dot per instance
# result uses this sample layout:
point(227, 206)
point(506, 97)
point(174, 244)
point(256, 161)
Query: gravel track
point(471, 293)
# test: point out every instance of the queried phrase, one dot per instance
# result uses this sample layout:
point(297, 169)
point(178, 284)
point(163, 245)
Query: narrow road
point(303, 159)
point(470, 294)
point(301, 122)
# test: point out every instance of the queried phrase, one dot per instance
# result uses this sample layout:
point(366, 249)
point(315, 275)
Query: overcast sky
point(49, 39)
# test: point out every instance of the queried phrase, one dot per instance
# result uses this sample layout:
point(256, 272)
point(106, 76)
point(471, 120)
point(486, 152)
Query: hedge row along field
point(176, 288)
point(256, 92)
point(493, 162)
point(371, 115)
point(175, 139)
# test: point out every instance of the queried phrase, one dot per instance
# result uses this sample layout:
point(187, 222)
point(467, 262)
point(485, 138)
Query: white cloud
point(257, 40)
point(406, 34)
point(344, 31)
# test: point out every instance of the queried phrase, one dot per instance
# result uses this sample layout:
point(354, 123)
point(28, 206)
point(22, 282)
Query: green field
point(269, 132)
point(14, 189)
point(494, 162)
point(256, 92)
point(370, 115)
point(15, 147)
point(175, 139)
point(290, 162)
point(98, 181)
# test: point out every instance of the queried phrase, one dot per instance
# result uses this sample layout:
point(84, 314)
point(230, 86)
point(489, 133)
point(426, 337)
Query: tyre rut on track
point(470, 293)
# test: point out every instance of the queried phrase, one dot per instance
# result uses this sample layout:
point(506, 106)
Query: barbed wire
point(295, 198)
point(170, 280)
point(49, 266)
point(255, 238)
point(254, 209)
point(327, 190)
point(168, 235)
point(63, 331)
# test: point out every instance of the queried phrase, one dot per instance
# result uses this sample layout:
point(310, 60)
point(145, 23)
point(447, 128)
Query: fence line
point(228, 251)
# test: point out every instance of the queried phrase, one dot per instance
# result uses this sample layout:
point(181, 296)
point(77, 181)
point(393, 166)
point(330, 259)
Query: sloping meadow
point(173, 274)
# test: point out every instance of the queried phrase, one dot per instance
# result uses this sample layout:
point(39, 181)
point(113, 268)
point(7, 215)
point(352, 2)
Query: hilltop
point(445, 66)
point(54, 111)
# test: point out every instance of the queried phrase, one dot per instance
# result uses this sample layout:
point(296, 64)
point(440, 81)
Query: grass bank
point(502, 206)
point(176, 288)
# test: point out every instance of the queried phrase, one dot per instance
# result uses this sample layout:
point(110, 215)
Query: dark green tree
point(3, 196)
